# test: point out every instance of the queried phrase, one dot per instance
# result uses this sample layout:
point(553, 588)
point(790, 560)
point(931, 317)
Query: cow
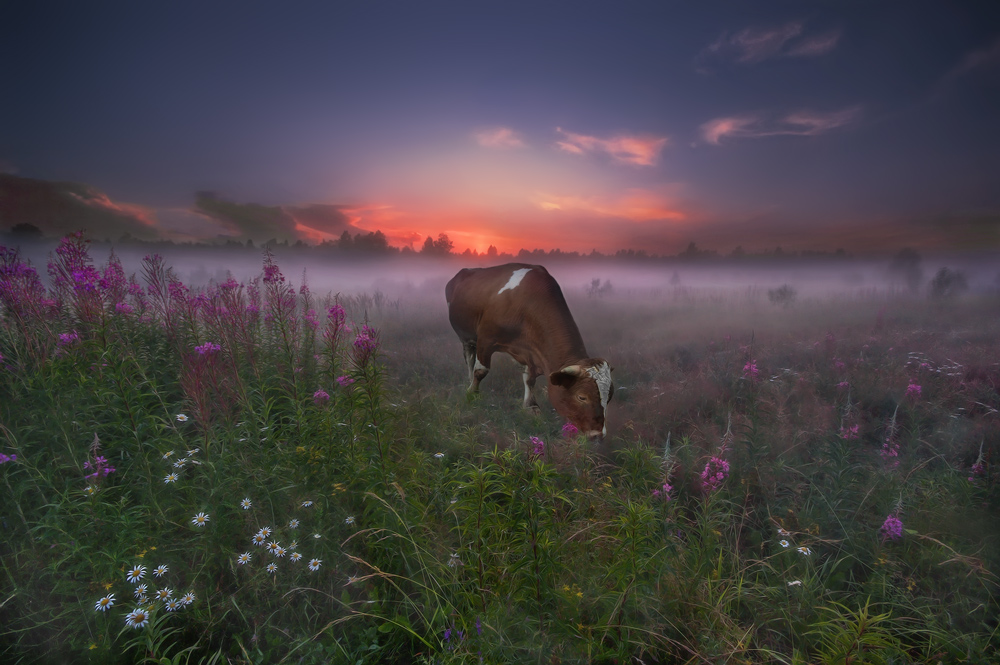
point(519, 309)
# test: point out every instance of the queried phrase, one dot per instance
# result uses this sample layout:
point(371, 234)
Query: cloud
point(626, 149)
point(753, 44)
point(499, 137)
point(983, 58)
point(640, 205)
point(799, 123)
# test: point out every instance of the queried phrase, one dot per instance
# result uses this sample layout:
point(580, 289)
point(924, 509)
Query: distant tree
point(374, 241)
point(598, 290)
point(345, 242)
point(948, 283)
point(784, 295)
point(440, 247)
point(491, 252)
point(905, 265)
point(249, 242)
point(738, 253)
point(26, 231)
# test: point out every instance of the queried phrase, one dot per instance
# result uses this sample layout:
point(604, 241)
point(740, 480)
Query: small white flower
point(307, 504)
point(168, 454)
point(454, 560)
point(272, 568)
point(181, 418)
point(273, 547)
point(164, 593)
point(192, 453)
point(349, 521)
point(783, 543)
point(280, 552)
point(172, 605)
point(160, 571)
point(294, 545)
point(293, 524)
point(136, 574)
point(439, 455)
point(805, 550)
point(90, 490)
point(317, 536)
point(105, 603)
point(187, 598)
point(265, 531)
point(140, 591)
point(137, 618)
point(351, 580)
point(258, 539)
point(201, 519)
point(243, 559)
point(296, 556)
point(314, 564)
point(795, 583)
point(245, 504)
point(170, 478)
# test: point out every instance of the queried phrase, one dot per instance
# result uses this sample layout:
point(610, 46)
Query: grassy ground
point(810, 483)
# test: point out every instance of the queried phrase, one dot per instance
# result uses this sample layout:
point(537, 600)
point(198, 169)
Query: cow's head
point(581, 392)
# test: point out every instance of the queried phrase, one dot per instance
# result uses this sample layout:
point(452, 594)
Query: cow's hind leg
point(469, 349)
point(529, 389)
point(480, 367)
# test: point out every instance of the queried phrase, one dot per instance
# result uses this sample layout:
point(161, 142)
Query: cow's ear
point(565, 377)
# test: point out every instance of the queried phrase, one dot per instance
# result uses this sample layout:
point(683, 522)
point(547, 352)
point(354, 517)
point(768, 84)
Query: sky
point(545, 124)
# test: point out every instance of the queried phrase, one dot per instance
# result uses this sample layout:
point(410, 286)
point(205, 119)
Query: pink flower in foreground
point(892, 528)
point(663, 492)
point(344, 381)
point(320, 397)
point(750, 370)
point(849, 432)
point(538, 446)
point(715, 472)
point(913, 390)
point(569, 430)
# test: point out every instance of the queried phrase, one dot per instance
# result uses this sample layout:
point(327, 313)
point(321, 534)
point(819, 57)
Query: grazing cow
point(519, 309)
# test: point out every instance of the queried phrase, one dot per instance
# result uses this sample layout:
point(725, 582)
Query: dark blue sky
point(535, 124)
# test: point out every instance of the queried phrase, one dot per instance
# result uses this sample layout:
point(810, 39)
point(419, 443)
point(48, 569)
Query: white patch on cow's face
point(601, 374)
point(515, 279)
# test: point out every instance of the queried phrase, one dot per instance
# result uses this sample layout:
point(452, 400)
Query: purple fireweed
point(321, 397)
point(913, 390)
point(366, 344)
point(892, 528)
point(890, 453)
point(67, 339)
point(537, 446)
point(849, 432)
point(843, 385)
point(714, 474)
point(978, 469)
point(100, 468)
point(207, 348)
point(344, 381)
point(663, 492)
point(569, 430)
point(7, 458)
point(750, 370)
point(311, 319)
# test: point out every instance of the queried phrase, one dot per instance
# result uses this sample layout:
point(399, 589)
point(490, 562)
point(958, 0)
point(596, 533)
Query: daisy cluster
point(146, 598)
point(177, 462)
point(785, 544)
point(266, 537)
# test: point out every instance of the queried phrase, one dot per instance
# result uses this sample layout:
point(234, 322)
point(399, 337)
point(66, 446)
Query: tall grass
point(297, 481)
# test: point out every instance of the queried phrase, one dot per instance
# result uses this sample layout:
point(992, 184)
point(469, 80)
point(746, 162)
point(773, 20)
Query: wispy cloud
point(640, 205)
point(499, 137)
point(638, 150)
point(979, 59)
point(754, 44)
point(799, 123)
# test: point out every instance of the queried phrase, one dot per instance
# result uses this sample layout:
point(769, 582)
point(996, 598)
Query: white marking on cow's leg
point(515, 279)
point(479, 373)
point(529, 389)
point(469, 349)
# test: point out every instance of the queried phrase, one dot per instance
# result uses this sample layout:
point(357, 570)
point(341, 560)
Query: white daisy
point(243, 559)
point(136, 574)
point(160, 571)
point(307, 504)
point(272, 568)
point(314, 564)
point(201, 519)
point(170, 478)
point(349, 521)
point(296, 556)
point(439, 455)
point(245, 504)
point(168, 454)
point(104, 603)
point(273, 547)
point(187, 598)
point(258, 539)
point(172, 605)
point(181, 418)
point(293, 524)
point(805, 550)
point(783, 543)
point(164, 593)
point(140, 591)
point(137, 618)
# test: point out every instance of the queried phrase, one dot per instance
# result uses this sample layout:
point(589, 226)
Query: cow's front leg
point(529, 376)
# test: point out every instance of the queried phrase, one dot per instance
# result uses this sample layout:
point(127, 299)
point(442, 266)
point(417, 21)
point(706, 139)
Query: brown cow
point(519, 309)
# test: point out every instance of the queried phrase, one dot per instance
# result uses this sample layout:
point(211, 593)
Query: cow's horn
point(572, 370)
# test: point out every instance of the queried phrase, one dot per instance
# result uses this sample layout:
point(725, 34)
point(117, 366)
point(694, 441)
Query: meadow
point(250, 472)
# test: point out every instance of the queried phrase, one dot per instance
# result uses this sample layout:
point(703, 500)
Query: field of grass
point(252, 473)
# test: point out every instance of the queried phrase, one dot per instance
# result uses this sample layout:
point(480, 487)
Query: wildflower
point(136, 574)
point(170, 478)
point(105, 603)
point(245, 504)
point(913, 390)
point(294, 545)
point(664, 492)
point(66, 339)
point(258, 539)
point(352, 580)
point(272, 568)
point(273, 547)
point(293, 524)
point(181, 418)
point(179, 464)
point(307, 504)
point(784, 543)
point(172, 605)
point(243, 559)
point(280, 552)
point(317, 536)
point(538, 446)
point(804, 550)
point(438, 455)
point(295, 556)
point(569, 430)
point(715, 472)
point(194, 452)
point(843, 385)
point(187, 598)
point(207, 348)
point(90, 490)
point(892, 528)
point(167, 455)
point(164, 593)
point(344, 381)
point(7, 458)
point(454, 560)
point(795, 583)
point(750, 370)
point(320, 397)
point(314, 564)
point(137, 618)
point(349, 521)
point(849, 432)
point(140, 591)
point(201, 519)
point(160, 571)
point(265, 531)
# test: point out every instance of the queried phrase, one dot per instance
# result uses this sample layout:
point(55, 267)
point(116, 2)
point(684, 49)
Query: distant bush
point(598, 290)
point(948, 283)
point(784, 295)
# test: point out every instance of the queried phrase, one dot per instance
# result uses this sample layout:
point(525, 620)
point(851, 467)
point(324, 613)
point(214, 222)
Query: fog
point(419, 278)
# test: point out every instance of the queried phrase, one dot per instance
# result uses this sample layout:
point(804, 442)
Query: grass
point(438, 531)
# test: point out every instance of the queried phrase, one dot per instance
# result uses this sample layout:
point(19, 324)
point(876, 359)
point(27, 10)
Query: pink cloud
point(753, 45)
point(626, 149)
point(640, 205)
point(815, 46)
point(799, 123)
point(499, 137)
